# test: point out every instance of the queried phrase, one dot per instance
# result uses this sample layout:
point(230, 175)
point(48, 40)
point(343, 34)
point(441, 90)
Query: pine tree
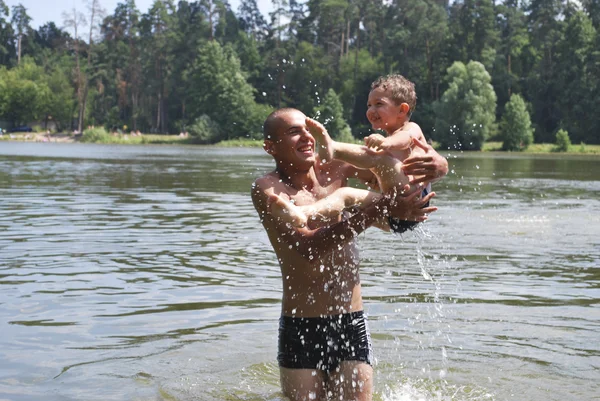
point(515, 126)
point(331, 114)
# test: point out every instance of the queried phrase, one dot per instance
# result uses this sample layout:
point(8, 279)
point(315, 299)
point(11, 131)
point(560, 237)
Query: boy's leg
point(352, 381)
point(303, 384)
point(358, 155)
point(325, 146)
point(328, 149)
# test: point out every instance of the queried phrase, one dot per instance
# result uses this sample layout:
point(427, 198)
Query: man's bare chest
point(318, 191)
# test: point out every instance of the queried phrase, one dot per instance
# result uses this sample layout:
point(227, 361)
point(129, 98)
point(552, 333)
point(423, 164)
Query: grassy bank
point(546, 148)
point(158, 139)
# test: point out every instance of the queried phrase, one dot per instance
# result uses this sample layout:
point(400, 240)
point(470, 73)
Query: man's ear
point(404, 108)
point(268, 146)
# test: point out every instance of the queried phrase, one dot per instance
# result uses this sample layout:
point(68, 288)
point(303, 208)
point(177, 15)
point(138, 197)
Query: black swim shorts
point(323, 342)
point(399, 226)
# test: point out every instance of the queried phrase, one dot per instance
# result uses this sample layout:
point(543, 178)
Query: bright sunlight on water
point(143, 273)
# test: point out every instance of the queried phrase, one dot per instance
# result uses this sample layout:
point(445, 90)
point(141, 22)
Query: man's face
point(293, 142)
point(382, 112)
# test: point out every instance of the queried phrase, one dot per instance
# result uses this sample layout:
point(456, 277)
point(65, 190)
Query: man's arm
point(429, 166)
point(365, 176)
point(311, 243)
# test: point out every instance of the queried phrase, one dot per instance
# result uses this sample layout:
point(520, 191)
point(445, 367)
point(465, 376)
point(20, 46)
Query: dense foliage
point(201, 67)
point(515, 126)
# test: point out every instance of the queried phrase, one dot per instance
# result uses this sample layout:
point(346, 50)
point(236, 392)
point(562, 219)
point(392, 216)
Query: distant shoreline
point(159, 139)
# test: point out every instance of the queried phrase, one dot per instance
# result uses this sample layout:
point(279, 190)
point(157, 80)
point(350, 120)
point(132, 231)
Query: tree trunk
point(509, 76)
point(348, 36)
point(158, 111)
point(429, 68)
point(19, 49)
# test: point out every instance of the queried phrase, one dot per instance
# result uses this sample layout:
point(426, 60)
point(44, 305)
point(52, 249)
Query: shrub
point(96, 135)
point(563, 142)
point(205, 130)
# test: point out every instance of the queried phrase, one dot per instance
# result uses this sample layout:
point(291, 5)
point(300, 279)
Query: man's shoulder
point(268, 184)
point(266, 179)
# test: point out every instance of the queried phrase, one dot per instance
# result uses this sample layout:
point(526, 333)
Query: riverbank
point(157, 139)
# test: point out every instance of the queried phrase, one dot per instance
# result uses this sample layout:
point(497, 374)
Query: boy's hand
point(315, 127)
point(375, 141)
point(428, 167)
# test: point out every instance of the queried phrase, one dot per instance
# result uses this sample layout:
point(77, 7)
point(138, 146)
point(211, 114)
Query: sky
point(43, 11)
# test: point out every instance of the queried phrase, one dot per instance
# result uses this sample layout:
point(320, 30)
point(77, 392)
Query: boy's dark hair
point(270, 124)
point(400, 88)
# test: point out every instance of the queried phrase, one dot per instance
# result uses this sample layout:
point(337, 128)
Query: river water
point(143, 273)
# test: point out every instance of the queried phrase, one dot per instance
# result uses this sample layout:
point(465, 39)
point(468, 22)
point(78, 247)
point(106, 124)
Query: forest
point(513, 71)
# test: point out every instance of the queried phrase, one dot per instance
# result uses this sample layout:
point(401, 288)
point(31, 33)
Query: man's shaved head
point(271, 125)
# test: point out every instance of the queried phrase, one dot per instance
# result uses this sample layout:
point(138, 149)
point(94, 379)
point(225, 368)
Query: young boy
point(391, 102)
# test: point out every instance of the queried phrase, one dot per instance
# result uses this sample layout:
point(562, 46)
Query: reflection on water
point(133, 273)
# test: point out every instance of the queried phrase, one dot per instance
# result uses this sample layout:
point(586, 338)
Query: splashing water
point(422, 390)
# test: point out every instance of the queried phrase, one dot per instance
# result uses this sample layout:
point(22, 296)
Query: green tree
point(577, 78)
point(7, 47)
point(60, 103)
point(20, 20)
point(26, 93)
point(251, 19)
point(474, 31)
point(191, 28)
point(118, 77)
point(466, 112)
point(545, 24)
point(416, 32)
point(357, 71)
point(157, 34)
point(515, 126)
point(331, 114)
point(513, 40)
point(228, 100)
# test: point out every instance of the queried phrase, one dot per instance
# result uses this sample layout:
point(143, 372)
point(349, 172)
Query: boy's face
point(383, 112)
point(293, 142)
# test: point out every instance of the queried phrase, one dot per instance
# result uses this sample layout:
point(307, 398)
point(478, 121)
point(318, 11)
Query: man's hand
point(429, 167)
point(408, 204)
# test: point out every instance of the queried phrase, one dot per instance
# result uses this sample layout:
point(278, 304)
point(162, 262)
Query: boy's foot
point(325, 146)
point(286, 211)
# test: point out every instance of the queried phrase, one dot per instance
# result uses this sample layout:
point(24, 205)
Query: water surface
point(143, 273)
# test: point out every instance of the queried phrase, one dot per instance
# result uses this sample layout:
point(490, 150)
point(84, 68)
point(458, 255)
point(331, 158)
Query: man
point(324, 344)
